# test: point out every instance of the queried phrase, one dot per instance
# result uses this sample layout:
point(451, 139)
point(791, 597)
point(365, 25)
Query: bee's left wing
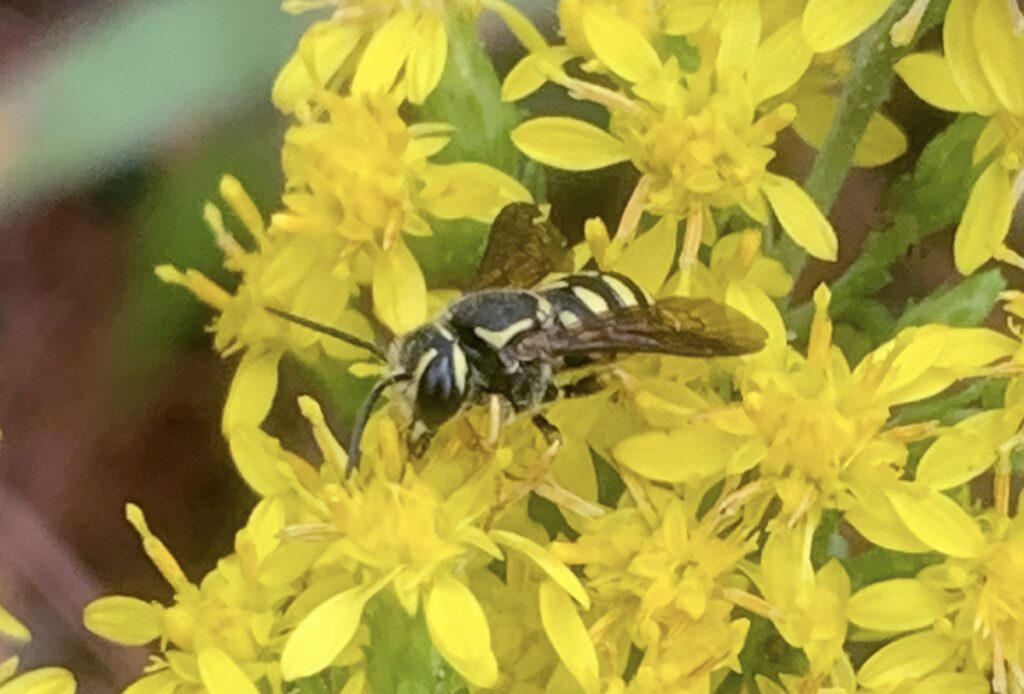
point(522, 248)
point(676, 325)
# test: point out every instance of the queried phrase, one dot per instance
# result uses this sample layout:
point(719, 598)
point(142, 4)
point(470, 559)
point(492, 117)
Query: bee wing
point(676, 325)
point(523, 247)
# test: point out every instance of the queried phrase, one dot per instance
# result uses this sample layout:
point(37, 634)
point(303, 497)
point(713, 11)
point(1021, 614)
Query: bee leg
point(498, 409)
point(588, 385)
point(551, 434)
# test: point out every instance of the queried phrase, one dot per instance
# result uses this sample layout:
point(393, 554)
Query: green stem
point(866, 89)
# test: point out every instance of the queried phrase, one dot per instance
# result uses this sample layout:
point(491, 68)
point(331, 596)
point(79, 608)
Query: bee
point(508, 340)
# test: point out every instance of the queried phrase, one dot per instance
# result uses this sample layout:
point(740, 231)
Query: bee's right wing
point(523, 247)
point(676, 325)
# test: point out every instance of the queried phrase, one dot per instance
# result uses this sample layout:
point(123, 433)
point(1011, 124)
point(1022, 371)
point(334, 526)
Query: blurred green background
point(117, 120)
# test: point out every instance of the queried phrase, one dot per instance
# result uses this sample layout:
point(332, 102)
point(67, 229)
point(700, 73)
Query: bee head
point(437, 385)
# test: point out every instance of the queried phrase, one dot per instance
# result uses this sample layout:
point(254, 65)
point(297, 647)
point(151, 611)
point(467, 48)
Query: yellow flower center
point(700, 151)
point(351, 173)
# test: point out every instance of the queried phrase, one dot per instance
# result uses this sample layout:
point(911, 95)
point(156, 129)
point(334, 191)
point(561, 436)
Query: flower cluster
point(701, 524)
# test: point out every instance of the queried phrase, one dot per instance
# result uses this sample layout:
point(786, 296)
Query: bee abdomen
point(583, 296)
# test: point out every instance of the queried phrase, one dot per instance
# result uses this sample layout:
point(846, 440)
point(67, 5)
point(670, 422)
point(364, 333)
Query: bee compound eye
point(437, 395)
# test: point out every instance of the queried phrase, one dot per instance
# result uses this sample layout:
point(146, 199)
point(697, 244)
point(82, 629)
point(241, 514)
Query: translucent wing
point(523, 248)
point(677, 325)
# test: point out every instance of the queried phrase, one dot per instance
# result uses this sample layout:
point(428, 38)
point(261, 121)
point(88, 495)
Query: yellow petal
point(385, 54)
point(567, 143)
point(222, 675)
point(530, 73)
point(12, 628)
point(258, 457)
point(829, 24)
point(680, 455)
point(901, 604)
point(519, 24)
point(322, 51)
point(123, 619)
point(881, 142)
point(8, 668)
point(458, 628)
point(649, 258)
point(252, 390)
point(325, 631)
point(986, 220)
point(546, 562)
point(962, 453)
point(800, 217)
point(755, 304)
point(399, 290)
point(47, 680)
point(779, 62)
point(875, 518)
point(992, 137)
point(930, 76)
point(958, 42)
point(469, 189)
point(951, 683)
point(569, 636)
point(619, 45)
point(321, 297)
point(905, 660)
point(687, 17)
point(938, 521)
point(741, 34)
point(163, 682)
point(1001, 53)
point(428, 52)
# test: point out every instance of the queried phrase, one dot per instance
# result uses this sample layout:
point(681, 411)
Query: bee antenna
point(328, 330)
point(363, 415)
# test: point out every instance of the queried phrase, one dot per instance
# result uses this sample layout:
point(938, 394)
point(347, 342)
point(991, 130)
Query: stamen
point(753, 603)
point(242, 205)
point(630, 219)
point(586, 91)
point(903, 31)
point(221, 236)
point(691, 245)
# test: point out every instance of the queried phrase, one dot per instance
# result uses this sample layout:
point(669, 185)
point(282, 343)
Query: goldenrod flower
point(219, 634)
point(981, 71)
point(660, 578)
point(696, 138)
point(380, 46)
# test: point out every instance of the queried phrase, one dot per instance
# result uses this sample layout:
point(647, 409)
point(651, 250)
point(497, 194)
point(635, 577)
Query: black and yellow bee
point(512, 341)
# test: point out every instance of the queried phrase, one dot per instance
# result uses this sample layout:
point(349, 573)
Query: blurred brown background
point(116, 121)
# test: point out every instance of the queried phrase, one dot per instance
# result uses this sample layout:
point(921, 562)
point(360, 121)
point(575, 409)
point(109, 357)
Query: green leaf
point(877, 564)
point(963, 305)
point(935, 193)
point(924, 202)
point(403, 658)
point(469, 98)
point(115, 90)
point(948, 407)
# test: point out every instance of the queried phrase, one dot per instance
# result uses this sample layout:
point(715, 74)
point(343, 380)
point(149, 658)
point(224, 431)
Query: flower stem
point(865, 91)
